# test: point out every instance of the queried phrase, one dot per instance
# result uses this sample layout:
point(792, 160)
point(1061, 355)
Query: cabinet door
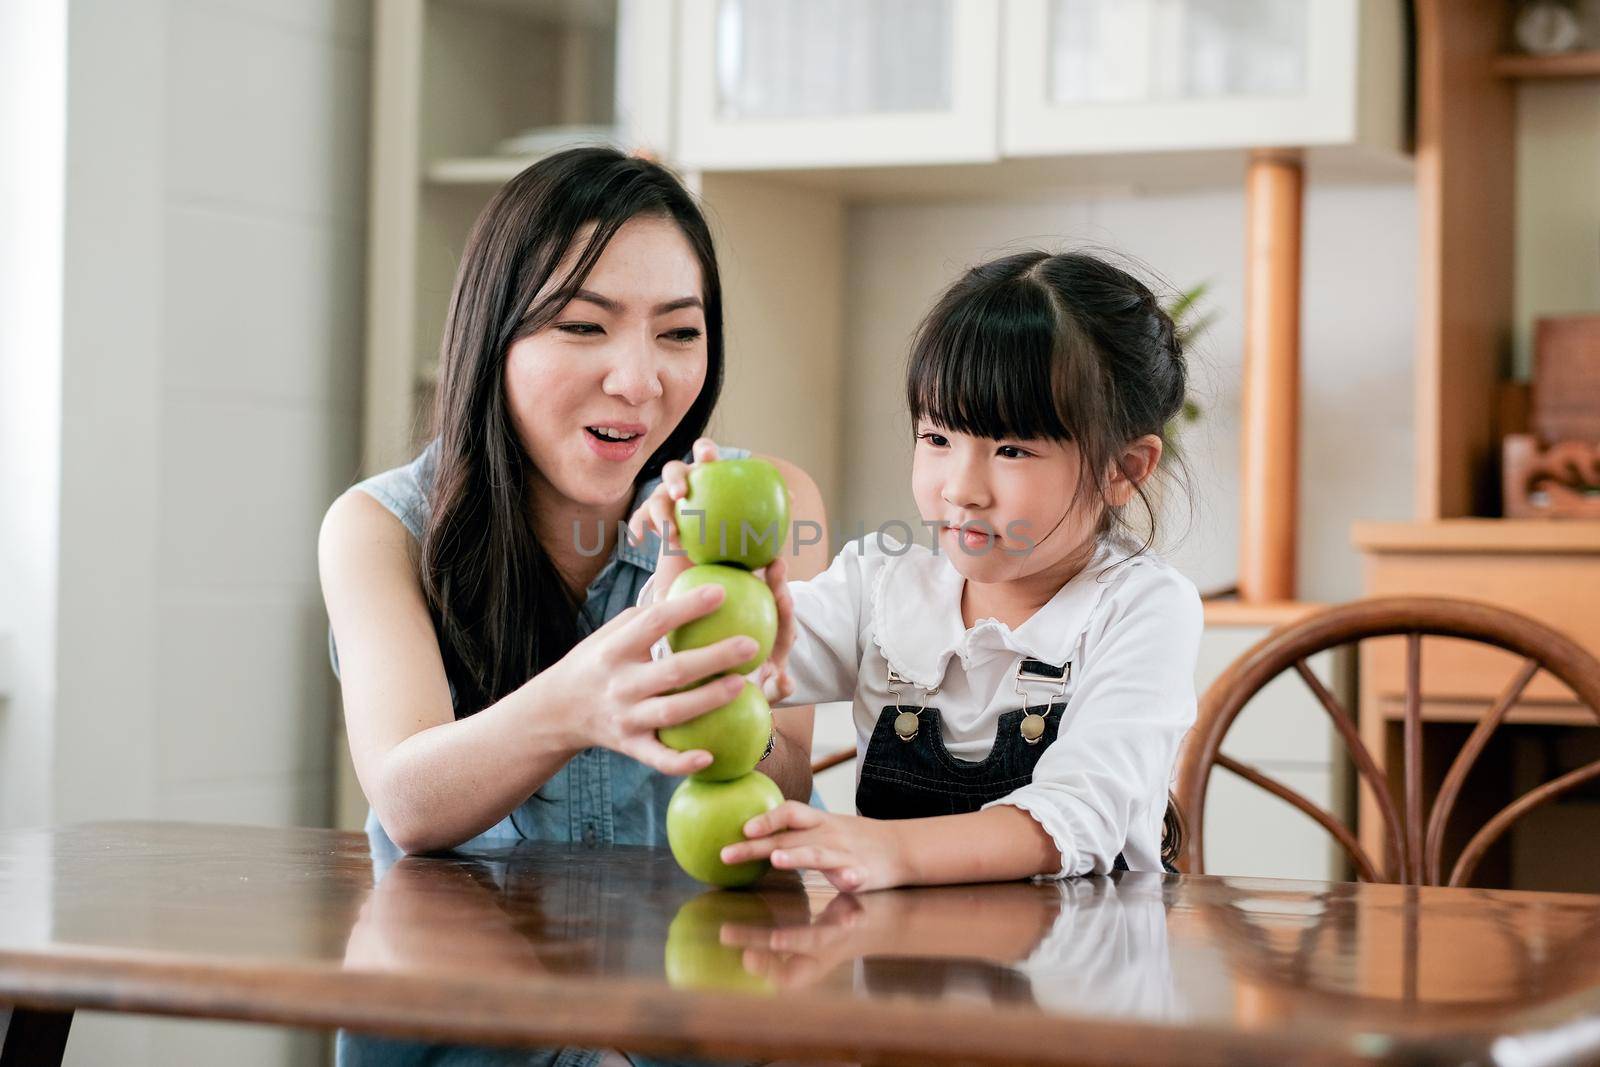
point(824, 83)
point(1147, 75)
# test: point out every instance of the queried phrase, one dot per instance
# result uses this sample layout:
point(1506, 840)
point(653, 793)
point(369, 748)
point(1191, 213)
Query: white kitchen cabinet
point(767, 84)
point(1097, 76)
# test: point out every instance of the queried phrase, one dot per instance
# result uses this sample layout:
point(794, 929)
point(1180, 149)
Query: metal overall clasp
point(1033, 722)
point(907, 722)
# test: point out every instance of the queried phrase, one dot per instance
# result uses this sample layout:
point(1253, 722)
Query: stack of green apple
point(732, 522)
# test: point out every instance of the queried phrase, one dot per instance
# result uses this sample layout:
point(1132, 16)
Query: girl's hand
point(854, 853)
point(619, 697)
point(658, 513)
point(803, 954)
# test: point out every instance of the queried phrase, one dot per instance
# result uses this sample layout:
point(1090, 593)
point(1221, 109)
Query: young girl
point(1022, 682)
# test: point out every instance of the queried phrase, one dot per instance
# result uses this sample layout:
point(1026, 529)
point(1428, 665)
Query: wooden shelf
point(594, 13)
point(1585, 64)
point(1238, 613)
point(1527, 713)
point(1522, 536)
point(1128, 173)
point(483, 170)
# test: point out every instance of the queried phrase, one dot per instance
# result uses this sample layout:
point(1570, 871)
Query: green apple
point(696, 958)
point(736, 511)
point(705, 817)
point(735, 735)
point(747, 608)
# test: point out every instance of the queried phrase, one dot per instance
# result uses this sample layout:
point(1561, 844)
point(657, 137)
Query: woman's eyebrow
point(617, 307)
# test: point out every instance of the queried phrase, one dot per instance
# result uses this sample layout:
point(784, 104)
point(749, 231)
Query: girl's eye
point(1012, 452)
point(687, 335)
point(580, 329)
point(937, 440)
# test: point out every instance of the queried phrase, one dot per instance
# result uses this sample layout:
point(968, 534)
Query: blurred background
point(228, 232)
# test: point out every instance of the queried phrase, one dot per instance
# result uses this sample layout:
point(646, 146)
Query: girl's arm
point(1125, 720)
point(1112, 763)
point(435, 781)
point(857, 854)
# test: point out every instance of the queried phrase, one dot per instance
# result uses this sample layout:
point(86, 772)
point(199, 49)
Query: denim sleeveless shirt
point(600, 796)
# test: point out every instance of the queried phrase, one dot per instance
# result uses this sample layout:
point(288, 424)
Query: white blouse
point(1130, 627)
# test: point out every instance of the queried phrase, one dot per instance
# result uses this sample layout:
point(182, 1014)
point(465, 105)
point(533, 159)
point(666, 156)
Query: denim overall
point(907, 772)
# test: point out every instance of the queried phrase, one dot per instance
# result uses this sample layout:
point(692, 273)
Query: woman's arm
point(436, 781)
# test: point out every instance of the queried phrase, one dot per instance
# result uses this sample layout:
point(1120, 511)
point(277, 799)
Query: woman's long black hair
point(502, 610)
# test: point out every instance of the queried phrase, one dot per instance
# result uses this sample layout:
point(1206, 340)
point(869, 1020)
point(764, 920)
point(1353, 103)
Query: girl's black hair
point(501, 608)
point(1062, 347)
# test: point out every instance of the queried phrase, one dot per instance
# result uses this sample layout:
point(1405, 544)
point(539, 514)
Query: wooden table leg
point(34, 1037)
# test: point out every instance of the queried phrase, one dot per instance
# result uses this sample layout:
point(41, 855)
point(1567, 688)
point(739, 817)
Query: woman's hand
point(854, 853)
point(658, 513)
point(619, 697)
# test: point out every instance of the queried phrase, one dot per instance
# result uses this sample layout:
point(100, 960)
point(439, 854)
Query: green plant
point(1190, 320)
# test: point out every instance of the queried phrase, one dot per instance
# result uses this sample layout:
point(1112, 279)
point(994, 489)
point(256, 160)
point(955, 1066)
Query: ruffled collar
point(918, 625)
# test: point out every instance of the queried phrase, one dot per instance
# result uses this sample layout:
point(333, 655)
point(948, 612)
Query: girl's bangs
point(982, 366)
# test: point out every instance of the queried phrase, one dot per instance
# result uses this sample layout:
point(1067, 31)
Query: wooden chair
point(1415, 844)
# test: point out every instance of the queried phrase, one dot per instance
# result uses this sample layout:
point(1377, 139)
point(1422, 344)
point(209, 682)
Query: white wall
point(210, 353)
point(33, 70)
point(1360, 294)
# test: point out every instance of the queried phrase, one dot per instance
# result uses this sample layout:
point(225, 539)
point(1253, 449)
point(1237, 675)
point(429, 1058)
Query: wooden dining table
point(547, 946)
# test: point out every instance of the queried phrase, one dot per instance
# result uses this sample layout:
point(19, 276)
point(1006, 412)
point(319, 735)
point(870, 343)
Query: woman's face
point(596, 391)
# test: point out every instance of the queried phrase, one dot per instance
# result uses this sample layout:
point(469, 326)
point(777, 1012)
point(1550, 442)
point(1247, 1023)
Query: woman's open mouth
point(614, 443)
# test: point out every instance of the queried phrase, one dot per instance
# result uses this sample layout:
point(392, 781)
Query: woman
point(497, 680)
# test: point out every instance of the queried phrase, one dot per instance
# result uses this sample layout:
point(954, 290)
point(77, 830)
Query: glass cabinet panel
point(1104, 51)
point(776, 84)
point(1108, 76)
point(815, 58)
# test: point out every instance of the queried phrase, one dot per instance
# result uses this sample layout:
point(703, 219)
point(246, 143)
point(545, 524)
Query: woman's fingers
point(669, 761)
point(657, 713)
point(651, 624)
point(683, 669)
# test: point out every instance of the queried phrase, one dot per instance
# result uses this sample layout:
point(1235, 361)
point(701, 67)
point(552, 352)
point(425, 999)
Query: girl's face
point(1005, 510)
point(596, 391)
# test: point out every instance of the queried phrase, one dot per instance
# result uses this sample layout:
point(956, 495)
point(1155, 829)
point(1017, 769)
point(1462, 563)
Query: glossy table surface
point(552, 945)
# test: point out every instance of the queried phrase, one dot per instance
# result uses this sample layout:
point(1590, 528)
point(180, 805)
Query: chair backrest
point(1415, 845)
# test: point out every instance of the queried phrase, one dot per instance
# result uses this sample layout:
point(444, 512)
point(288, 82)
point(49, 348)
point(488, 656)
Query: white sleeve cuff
point(1048, 817)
